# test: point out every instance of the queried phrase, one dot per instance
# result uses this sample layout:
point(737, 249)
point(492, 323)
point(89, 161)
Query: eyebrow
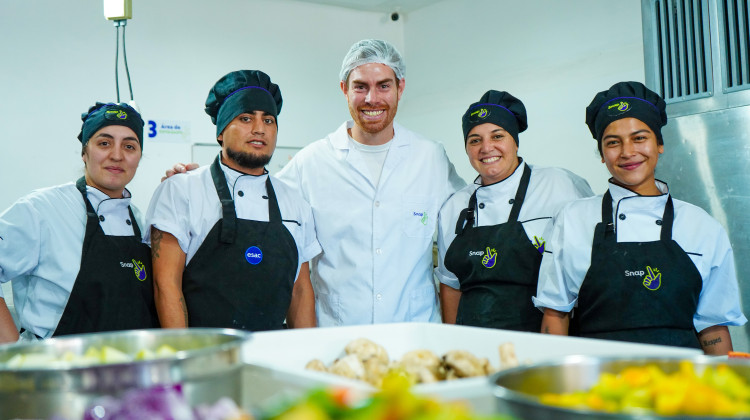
point(499, 129)
point(379, 82)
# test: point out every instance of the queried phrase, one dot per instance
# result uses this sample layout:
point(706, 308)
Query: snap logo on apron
point(140, 270)
point(653, 280)
point(489, 259)
point(254, 255)
point(539, 244)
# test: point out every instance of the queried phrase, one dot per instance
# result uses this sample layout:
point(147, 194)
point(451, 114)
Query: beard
point(247, 160)
point(371, 126)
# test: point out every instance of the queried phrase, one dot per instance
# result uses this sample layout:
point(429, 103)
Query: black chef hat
point(242, 91)
point(499, 108)
point(101, 115)
point(626, 100)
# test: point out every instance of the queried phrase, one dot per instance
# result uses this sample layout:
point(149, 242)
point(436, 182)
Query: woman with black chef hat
point(490, 233)
point(73, 252)
point(636, 264)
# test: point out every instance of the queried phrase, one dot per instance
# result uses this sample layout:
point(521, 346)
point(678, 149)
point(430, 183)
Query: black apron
point(243, 273)
point(645, 292)
point(498, 269)
point(114, 288)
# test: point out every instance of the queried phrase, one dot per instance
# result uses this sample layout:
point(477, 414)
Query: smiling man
point(228, 240)
point(375, 189)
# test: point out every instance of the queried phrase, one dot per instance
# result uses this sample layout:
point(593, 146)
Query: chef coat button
point(240, 193)
point(378, 251)
point(377, 204)
point(379, 296)
point(658, 222)
point(101, 218)
point(481, 205)
point(621, 216)
point(511, 201)
point(128, 222)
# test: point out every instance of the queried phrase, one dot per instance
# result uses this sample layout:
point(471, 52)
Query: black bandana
point(102, 115)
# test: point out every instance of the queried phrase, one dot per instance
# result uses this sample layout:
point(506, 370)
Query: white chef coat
point(549, 189)
point(187, 206)
point(40, 251)
point(568, 255)
point(376, 264)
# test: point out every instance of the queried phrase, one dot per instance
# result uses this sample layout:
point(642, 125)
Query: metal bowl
point(517, 390)
point(208, 365)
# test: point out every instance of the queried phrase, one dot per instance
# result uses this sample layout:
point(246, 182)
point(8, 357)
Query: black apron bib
point(497, 268)
point(114, 288)
point(243, 274)
point(645, 292)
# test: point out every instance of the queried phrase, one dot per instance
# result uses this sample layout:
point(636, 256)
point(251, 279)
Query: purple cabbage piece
point(158, 403)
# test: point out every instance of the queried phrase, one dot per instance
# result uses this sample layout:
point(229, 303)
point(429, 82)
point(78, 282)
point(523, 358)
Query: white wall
point(553, 55)
point(57, 58)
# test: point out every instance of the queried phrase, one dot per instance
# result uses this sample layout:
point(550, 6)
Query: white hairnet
point(372, 51)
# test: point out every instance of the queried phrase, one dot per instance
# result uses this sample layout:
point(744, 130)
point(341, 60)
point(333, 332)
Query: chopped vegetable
point(161, 403)
point(649, 390)
point(393, 401)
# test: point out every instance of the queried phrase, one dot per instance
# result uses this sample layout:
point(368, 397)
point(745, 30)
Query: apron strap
point(666, 223)
point(228, 215)
point(92, 219)
point(466, 218)
point(520, 194)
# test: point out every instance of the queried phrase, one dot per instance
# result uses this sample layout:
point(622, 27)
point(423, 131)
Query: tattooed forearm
point(713, 342)
point(156, 236)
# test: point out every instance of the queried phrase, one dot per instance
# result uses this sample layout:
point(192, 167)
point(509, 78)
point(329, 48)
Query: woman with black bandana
point(73, 252)
point(635, 264)
point(491, 233)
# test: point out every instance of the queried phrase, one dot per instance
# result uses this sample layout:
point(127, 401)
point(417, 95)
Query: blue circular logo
point(254, 255)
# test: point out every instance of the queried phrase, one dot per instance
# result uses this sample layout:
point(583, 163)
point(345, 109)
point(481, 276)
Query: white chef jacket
point(376, 264)
point(187, 206)
point(549, 189)
point(568, 255)
point(40, 251)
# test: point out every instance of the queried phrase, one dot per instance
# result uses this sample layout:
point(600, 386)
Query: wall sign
point(168, 131)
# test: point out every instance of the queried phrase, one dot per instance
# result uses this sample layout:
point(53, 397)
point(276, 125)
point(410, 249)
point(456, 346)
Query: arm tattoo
point(156, 243)
point(713, 342)
point(546, 329)
point(184, 310)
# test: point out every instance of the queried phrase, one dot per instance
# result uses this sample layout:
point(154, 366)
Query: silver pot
point(208, 365)
point(517, 390)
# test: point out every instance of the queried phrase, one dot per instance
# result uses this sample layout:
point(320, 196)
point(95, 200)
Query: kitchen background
point(57, 58)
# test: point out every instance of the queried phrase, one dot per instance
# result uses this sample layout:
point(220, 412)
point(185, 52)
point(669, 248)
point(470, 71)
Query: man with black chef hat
point(491, 233)
point(635, 264)
point(231, 244)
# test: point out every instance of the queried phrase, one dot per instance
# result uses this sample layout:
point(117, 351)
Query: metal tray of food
point(59, 381)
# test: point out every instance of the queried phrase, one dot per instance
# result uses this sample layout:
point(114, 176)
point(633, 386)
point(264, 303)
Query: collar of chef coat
point(340, 139)
point(496, 196)
point(233, 176)
point(104, 203)
point(650, 207)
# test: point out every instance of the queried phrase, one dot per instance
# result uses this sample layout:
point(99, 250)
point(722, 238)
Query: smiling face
point(248, 142)
point(492, 152)
point(631, 152)
point(372, 92)
point(111, 158)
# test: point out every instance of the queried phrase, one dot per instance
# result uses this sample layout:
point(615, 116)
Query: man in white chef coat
point(375, 189)
point(230, 243)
